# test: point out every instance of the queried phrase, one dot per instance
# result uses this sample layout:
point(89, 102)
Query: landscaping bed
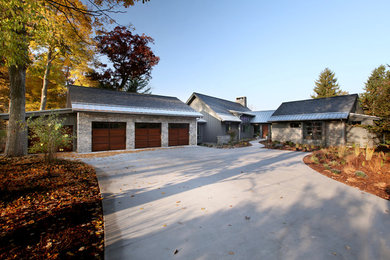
point(49, 211)
point(229, 145)
point(362, 168)
point(289, 146)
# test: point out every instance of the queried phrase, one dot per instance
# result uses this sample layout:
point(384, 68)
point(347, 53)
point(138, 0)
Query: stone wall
point(85, 119)
point(283, 132)
point(335, 133)
point(360, 136)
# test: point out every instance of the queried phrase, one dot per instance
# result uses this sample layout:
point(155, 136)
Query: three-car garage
point(112, 135)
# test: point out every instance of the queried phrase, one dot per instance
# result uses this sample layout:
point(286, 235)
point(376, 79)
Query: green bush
point(360, 174)
point(335, 171)
point(232, 134)
point(315, 159)
point(49, 133)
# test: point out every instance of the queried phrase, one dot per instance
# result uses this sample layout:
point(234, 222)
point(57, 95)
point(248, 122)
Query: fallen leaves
point(49, 211)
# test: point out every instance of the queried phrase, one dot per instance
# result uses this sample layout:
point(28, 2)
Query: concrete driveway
point(246, 203)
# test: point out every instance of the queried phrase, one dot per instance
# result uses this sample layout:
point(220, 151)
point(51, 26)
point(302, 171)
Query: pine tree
point(326, 85)
point(375, 99)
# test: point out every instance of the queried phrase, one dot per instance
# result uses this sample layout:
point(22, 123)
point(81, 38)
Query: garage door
point(178, 134)
point(147, 135)
point(108, 136)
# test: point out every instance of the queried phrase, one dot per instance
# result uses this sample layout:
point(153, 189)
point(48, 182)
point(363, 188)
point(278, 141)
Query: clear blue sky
point(269, 51)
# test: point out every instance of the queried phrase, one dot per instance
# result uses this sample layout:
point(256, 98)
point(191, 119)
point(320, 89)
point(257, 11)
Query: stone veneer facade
point(85, 119)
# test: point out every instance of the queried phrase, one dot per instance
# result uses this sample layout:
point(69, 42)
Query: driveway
point(245, 203)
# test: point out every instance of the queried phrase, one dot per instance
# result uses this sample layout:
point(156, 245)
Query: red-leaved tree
point(131, 57)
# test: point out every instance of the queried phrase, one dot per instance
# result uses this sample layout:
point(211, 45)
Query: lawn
point(49, 211)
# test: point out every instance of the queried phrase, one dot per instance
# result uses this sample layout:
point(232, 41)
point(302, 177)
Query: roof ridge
point(234, 102)
point(309, 99)
point(122, 92)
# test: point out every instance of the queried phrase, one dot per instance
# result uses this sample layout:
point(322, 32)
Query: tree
point(131, 58)
point(64, 43)
point(376, 96)
point(326, 85)
point(50, 134)
point(22, 22)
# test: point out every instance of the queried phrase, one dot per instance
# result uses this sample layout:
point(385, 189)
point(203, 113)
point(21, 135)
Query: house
point(111, 120)
point(261, 124)
point(221, 117)
point(323, 121)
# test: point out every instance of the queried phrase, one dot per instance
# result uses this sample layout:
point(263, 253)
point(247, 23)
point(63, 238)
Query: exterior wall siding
point(335, 133)
point(85, 119)
point(361, 136)
point(213, 127)
point(282, 132)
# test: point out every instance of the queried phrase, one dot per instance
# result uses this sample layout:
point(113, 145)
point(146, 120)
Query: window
point(312, 130)
point(227, 128)
point(356, 122)
point(295, 125)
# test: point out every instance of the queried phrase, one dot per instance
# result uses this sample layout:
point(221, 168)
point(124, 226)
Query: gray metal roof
point(101, 100)
point(5, 116)
point(262, 117)
point(337, 107)
point(225, 109)
point(313, 116)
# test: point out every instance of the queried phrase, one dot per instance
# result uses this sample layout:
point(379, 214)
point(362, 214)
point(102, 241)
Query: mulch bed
point(49, 211)
point(371, 176)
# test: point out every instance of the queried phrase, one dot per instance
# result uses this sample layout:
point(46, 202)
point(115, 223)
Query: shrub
point(232, 134)
point(369, 153)
point(326, 166)
point(315, 159)
point(49, 132)
point(360, 174)
point(335, 171)
point(334, 163)
point(341, 151)
point(356, 149)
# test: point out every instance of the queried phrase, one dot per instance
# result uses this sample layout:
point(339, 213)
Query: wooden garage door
point(178, 134)
point(147, 135)
point(108, 136)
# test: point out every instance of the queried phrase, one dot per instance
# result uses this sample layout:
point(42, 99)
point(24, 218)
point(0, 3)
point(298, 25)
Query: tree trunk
point(46, 80)
point(17, 134)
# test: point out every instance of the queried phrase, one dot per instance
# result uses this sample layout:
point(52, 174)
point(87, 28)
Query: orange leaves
point(49, 214)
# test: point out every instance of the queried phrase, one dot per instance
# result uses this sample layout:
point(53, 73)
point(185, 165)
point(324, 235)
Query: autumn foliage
point(131, 57)
point(49, 211)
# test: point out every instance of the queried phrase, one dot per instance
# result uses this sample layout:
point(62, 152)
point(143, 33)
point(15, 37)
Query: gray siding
point(213, 127)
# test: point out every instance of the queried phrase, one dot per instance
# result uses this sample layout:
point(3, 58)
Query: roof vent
point(241, 100)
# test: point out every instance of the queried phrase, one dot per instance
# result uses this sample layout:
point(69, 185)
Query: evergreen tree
point(326, 85)
point(376, 96)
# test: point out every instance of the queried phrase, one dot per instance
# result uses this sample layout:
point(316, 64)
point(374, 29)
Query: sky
point(268, 51)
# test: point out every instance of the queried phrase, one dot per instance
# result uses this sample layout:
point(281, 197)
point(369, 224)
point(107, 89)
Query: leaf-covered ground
point(49, 211)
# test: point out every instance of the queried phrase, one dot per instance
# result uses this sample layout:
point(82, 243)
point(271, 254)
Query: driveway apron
point(243, 203)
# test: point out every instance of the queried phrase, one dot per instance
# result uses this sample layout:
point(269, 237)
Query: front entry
point(264, 131)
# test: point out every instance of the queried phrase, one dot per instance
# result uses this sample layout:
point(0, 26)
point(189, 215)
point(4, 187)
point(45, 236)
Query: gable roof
point(262, 117)
point(101, 100)
point(337, 107)
point(226, 110)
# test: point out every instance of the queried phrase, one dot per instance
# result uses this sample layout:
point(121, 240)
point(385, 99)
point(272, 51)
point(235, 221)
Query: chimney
point(241, 100)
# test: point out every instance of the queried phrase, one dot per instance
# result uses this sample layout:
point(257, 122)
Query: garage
point(108, 136)
point(178, 134)
point(147, 135)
